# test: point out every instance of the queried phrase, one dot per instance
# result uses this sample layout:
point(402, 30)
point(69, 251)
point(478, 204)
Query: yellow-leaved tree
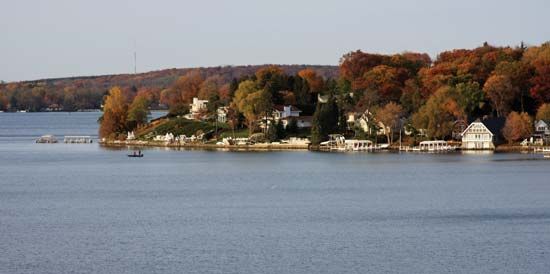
point(115, 112)
point(252, 103)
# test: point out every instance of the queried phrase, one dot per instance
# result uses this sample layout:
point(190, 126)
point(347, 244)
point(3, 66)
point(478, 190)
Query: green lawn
point(239, 133)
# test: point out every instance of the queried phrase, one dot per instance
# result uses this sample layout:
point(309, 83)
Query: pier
point(78, 140)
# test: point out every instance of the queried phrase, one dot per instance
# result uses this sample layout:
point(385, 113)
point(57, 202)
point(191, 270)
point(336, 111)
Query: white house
point(542, 132)
point(361, 120)
point(286, 114)
point(196, 107)
point(222, 114)
point(281, 112)
point(482, 135)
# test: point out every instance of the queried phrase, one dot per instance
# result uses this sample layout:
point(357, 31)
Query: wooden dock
point(77, 140)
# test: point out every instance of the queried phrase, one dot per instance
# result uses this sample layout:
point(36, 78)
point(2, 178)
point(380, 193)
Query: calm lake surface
point(86, 209)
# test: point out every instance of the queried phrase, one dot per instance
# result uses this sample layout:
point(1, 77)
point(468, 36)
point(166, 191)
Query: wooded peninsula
point(368, 96)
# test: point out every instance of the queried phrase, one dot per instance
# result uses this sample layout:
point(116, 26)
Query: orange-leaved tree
point(314, 81)
point(518, 126)
point(390, 116)
point(501, 92)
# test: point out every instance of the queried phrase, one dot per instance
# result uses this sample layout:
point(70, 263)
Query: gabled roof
point(542, 121)
point(493, 125)
point(282, 108)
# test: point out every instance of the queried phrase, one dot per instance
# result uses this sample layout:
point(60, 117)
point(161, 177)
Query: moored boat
point(338, 142)
point(46, 139)
point(432, 146)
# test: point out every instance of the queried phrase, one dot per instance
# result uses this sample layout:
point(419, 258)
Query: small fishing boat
point(137, 154)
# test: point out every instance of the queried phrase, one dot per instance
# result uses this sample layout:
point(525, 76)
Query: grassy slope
point(176, 126)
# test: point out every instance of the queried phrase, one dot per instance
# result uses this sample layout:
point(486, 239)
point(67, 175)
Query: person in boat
point(139, 152)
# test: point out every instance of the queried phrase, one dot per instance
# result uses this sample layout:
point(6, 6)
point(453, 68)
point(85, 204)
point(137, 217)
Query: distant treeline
point(88, 92)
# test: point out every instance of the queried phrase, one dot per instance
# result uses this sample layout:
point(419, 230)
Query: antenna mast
point(135, 57)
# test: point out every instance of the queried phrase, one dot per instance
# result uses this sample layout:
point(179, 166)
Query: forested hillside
point(87, 92)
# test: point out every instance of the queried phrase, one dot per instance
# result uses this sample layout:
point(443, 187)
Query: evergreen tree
point(292, 126)
point(214, 102)
point(138, 112)
point(281, 132)
point(316, 132)
point(325, 121)
point(233, 87)
point(272, 135)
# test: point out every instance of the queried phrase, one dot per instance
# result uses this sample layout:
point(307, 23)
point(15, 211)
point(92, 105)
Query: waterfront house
point(281, 112)
point(366, 122)
point(541, 135)
point(221, 114)
point(483, 134)
point(196, 108)
point(286, 114)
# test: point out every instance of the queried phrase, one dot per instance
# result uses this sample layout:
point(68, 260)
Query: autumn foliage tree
point(501, 92)
point(314, 81)
point(210, 87)
point(384, 81)
point(438, 115)
point(543, 112)
point(518, 126)
point(541, 81)
point(390, 116)
point(115, 111)
point(252, 102)
point(355, 64)
point(3, 101)
point(538, 59)
point(186, 87)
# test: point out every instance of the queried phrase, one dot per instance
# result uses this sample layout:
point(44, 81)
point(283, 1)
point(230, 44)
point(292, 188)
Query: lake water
point(85, 209)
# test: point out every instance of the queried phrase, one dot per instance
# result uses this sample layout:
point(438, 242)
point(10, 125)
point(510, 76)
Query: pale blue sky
point(59, 38)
